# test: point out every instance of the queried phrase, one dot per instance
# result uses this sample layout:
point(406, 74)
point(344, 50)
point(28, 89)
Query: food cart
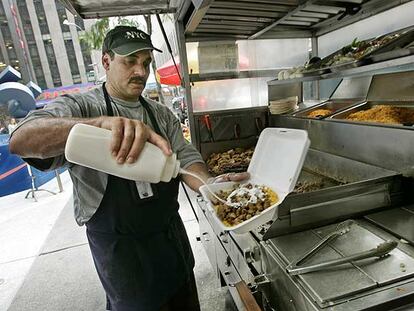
point(354, 192)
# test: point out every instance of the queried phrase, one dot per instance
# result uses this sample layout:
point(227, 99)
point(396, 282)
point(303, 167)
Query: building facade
point(35, 41)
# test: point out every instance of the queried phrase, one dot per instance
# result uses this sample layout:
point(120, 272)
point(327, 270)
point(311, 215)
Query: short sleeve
point(186, 152)
point(62, 107)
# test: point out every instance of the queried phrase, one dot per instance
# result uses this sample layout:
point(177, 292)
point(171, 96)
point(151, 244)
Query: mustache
point(137, 79)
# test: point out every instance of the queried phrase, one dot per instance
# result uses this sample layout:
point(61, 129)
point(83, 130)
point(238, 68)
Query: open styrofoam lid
point(278, 158)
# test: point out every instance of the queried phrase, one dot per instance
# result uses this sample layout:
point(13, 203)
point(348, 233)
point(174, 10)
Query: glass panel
point(31, 43)
point(67, 36)
point(252, 54)
point(25, 18)
point(2, 60)
point(7, 37)
point(76, 78)
point(61, 12)
point(70, 51)
point(50, 53)
point(213, 57)
point(229, 94)
point(41, 16)
point(162, 58)
point(87, 60)
point(79, 22)
point(273, 54)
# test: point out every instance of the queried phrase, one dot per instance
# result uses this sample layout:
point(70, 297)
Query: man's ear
point(106, 59)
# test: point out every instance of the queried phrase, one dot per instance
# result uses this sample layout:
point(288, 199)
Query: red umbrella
point(167, 73)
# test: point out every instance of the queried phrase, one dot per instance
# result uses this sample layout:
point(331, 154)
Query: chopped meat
point(253, 203)
point(233, 160)
point(303, 187)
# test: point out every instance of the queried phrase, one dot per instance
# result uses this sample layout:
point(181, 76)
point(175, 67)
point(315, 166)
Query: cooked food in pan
point(251, 200)
point(303, 187)
point(234, 160)
point(358, 49)
point(384, 114)
point(318, 113)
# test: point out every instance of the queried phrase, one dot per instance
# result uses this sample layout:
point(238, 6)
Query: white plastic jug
point(90, 146)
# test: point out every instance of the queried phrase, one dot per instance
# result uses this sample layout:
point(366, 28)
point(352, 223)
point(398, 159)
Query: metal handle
point(237, 131)
point(259, 125)
point(207, 123)
point(224, 237)
point(251, 254)
point(227, 276)
point(379, 251)
point(342, 229)
point(206, 236)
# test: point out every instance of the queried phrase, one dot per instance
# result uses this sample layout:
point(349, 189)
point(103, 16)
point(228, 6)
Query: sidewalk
point(46, 264)
point(24, 227)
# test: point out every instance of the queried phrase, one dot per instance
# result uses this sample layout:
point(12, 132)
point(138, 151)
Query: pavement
point(46, 264)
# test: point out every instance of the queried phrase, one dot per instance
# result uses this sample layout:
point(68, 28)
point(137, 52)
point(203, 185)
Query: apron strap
point(147, 108)
point(109, 110)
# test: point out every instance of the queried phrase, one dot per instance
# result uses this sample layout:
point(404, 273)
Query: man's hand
point(201, 170)
point(129, 137)
point(47, 137)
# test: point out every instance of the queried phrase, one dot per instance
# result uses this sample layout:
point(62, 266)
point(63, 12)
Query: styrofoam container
point(276, 163)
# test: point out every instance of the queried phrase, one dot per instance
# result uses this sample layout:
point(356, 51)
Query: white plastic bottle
point(90, 146)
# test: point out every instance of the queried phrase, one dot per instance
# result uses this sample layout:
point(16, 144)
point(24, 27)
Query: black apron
point(139, 246)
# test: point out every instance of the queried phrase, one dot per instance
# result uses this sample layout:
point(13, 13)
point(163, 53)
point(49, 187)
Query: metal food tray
point(366, 58)
point(400, 47)
point(348, 65)
point(341, 66)
point(391, 55)
point(348, 188)
point(342, 115)
point(334, 105)
point(316, 72)
point(331, 287)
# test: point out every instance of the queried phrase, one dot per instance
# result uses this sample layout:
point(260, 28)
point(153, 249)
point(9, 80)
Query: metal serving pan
point(316, 72)
point(400, 47)
point(372, 284)
point(346, 188)
point(348, 65)
point(337, 176)
point(366, 58)
point(391, 55)
point(333, 104)
point(342, 115)
point(340, 66)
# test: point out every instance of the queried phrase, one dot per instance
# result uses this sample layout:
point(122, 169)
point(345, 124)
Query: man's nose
point(140, 70)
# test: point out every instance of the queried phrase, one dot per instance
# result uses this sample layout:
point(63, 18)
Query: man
point(137, 239)
point(12, 125)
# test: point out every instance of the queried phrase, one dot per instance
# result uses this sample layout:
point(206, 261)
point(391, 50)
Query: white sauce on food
point(244, 196)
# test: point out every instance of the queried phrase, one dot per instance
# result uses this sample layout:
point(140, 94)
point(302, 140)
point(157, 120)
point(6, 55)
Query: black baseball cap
point(126, 40)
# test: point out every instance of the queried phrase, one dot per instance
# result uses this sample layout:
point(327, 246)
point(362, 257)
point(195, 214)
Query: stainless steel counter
point(346, 287)
point(364, 172)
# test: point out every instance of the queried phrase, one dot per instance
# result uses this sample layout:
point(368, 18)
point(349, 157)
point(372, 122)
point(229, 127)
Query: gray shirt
point(89, 185)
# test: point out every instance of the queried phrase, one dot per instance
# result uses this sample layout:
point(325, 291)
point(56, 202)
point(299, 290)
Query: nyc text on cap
point(126, 40)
